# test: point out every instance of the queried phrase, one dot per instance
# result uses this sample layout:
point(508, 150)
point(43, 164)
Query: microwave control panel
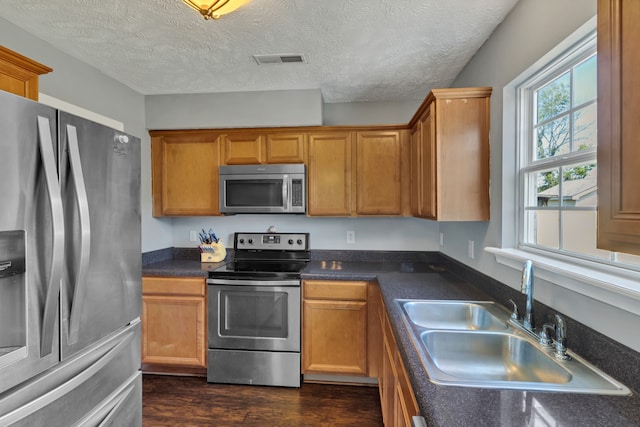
point(296, 192)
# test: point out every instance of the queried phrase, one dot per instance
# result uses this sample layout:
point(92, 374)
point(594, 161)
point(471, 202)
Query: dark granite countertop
point(177, 262)
point(180, 267)
point(437, 277)
point(461, 406)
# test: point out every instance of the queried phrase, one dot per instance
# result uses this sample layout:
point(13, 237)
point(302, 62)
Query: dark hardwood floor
point(191, 401)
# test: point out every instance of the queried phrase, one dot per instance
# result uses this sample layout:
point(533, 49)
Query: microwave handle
point(285, 192)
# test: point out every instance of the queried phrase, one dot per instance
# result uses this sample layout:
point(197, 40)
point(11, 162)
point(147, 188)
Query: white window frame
point(578, 53)
point(608, 283)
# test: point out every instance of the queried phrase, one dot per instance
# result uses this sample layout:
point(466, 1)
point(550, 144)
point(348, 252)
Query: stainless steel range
point(254, 311)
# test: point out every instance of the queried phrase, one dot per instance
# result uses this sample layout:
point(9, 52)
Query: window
point(549, 149)
point(557, 171)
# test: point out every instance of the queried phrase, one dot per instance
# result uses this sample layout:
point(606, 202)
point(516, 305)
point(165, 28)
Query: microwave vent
point(279, 58)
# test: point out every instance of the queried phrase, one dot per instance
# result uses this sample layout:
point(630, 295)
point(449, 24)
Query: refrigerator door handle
point(55, 201)
point(85, 234)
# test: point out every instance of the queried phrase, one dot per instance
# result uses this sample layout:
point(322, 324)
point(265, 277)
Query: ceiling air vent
point(279, 58)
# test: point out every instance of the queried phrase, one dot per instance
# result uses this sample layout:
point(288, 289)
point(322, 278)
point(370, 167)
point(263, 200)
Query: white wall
point(366, 113)
point(532, 29)
point(235, 109)
point(77, 83)
point(392, 234)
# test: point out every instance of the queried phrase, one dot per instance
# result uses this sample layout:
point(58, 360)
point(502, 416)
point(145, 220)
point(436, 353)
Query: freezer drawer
point(101, 386)
point(122, 408)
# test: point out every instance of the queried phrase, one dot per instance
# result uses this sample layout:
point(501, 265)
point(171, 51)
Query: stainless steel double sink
point(473, 344)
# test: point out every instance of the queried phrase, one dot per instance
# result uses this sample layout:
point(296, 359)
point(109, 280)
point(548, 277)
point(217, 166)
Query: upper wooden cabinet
point(357, 173)
point(252, 148)
point(378, 168)
point(285, 147)
point(437, 167)
point(243, 148)
point(19, 74)
point(185, 173)
point(329, 173)
point(618, 126)
point(450, 138)
point(422, 167)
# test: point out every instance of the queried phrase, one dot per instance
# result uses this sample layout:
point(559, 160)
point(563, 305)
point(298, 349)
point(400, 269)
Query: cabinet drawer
point(335, 290)
point(173, 286)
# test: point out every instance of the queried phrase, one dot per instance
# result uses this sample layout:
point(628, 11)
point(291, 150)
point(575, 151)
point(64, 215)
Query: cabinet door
point(243, 148)
point(378, 173)
point(334, 327)
point(185, 174)
point(388, 384)
point(460, 128)
point(334, 337)
point(415, 144)
point(174, 322)
point(618, 128)
point(406, 404)
point(427, 168)
point(329, 174)
point(374, 332)
point(286, 148)
point(398, 401)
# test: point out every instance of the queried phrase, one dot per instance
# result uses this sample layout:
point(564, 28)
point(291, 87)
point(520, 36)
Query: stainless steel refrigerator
point(70, 270)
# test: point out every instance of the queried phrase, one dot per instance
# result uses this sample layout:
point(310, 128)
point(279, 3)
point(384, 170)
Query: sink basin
point(491, 357)
point(474, 344)
point(456, 315)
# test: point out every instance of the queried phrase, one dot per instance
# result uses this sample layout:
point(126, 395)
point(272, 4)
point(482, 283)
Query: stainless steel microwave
point(263, 189)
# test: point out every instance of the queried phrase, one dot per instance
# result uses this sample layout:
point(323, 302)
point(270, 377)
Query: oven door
point(254, 315)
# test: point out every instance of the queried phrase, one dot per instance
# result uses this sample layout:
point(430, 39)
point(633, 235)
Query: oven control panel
point(272, 241)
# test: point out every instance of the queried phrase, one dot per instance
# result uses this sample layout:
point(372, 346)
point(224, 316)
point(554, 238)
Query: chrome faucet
point(527, 288)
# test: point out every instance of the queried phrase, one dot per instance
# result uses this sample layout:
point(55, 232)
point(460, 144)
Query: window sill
point(619, 289)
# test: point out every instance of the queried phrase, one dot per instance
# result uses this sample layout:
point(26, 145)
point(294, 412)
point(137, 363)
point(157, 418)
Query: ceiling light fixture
point(214, 9)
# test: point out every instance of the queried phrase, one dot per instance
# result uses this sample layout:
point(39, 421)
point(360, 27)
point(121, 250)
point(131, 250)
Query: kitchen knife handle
point(57, 249)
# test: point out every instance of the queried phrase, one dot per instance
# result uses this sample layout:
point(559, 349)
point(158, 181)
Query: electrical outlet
point(193, 236)
point(441, 239)
point(351, 237)
point(472, 247)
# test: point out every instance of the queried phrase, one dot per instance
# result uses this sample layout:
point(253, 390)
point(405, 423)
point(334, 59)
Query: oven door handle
point(255, 282)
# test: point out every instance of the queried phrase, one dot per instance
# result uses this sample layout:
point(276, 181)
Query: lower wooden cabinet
point(346, 331)
point(396, 395)
point(174, 325)
point(334, 327)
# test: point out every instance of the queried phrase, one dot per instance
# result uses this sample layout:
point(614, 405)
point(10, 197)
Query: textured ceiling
point(355, 50)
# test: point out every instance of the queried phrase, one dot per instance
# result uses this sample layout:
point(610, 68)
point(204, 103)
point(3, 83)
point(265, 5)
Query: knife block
point(214, 252)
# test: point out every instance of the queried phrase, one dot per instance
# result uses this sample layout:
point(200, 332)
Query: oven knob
point(299, 241)
point(241, 240)
point(250, 241)
point(291, 241)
